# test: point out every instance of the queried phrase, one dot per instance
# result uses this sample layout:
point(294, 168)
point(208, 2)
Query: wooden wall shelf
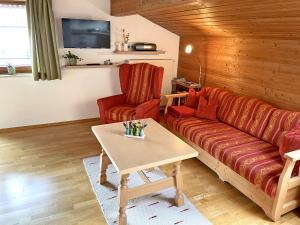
point(90, 66)
point(159, 52)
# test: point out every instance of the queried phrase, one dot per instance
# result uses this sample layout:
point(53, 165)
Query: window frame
point(19, 69)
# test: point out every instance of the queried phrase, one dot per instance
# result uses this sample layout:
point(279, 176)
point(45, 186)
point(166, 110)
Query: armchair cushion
point(290, 142)
point(181, 111)
point(120, 113)
point(140, 86)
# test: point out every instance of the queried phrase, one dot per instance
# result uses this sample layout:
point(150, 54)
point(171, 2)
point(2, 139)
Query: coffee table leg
point(123, 200)
point(104, 162)
point(179, 200)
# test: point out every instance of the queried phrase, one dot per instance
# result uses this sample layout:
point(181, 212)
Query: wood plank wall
point(268, 69)
point(251, 47)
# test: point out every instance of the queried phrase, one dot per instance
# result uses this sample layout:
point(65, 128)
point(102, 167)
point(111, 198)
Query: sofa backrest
point(247, 114)
point(218, 94)
point(281, 121)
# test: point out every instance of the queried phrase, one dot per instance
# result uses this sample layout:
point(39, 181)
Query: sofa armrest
point(144, 108)
point(293, 155)
point(171, 97)
point(108, 102)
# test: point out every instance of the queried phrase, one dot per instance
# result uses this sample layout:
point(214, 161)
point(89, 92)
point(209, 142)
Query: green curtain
point(45, 59)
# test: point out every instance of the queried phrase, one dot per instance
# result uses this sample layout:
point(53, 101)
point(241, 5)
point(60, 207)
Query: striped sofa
point(243, 147)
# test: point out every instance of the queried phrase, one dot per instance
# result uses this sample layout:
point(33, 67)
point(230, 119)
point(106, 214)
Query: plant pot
point(72, 61)
point(11, 70)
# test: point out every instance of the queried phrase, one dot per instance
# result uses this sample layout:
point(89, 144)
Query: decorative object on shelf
point(118, 46)
point(144, 46)
point(181, 84)
point(72, 58)
point(107, 62)
point(11, 70)
point(125, 40)
point(135, 129)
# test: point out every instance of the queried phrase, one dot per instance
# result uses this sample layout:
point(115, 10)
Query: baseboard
point(13, 129)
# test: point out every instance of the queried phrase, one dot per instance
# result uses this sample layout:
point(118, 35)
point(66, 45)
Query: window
point(14, 38)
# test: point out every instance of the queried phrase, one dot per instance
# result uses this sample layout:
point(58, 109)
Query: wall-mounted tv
point(79, 33)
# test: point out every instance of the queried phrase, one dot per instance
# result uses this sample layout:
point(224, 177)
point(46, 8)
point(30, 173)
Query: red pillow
point(207, 110)
point(192, 98)
point(181, 111)
point(290, 142)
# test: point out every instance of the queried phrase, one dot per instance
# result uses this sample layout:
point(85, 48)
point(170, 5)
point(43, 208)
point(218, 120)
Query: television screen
point(78, 33)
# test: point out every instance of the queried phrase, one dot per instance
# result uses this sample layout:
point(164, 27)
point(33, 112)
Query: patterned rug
point(157, 208)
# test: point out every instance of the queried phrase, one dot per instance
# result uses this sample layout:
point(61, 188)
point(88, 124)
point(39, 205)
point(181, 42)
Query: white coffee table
point(129, 155)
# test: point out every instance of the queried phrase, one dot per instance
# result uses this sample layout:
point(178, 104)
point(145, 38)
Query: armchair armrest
point(108, 102)
point(142, 109)
point(171, 97)
point(293, 155)
point(148, 109)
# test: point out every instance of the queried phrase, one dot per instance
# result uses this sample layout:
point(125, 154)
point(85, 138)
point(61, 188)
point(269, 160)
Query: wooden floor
point(42, 181)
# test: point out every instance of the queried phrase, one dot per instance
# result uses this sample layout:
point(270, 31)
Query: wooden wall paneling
point(268, 69)
point(251, 47)
point(253, 18)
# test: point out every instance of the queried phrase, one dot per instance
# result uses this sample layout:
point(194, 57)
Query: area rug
point(157, 208)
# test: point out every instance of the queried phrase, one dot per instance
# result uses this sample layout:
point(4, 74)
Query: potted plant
point(11, 70)
point(72, 58)
point(125, 40)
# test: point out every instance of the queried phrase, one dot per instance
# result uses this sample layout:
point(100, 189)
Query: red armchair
point(141, 91)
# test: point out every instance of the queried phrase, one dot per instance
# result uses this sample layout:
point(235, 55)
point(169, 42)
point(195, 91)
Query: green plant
point(11, 69)
point(125, 37)
point(70, 55)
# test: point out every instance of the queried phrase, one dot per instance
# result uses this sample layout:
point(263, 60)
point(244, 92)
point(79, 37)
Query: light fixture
point(188, 49)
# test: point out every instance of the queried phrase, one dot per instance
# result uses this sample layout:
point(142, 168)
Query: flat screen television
point(79, 33)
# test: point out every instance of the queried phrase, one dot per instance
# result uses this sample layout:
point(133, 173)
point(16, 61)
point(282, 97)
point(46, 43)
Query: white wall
point(26, 102)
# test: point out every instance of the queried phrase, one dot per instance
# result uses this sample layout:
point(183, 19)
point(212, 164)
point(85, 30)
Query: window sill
point(17, 75)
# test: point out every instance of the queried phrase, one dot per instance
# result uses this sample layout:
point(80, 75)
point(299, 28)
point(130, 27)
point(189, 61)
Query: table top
point(159, 147)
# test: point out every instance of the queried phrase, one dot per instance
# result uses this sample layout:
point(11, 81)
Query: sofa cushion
point(192, 99)
point(217, 94)
point(181, 111)
point(247, 114)
point(140, 84)
point(257, 161)
point(281, 121)
point(120, 113)
point(291, 142)
point(181, 125)
point(207, 109)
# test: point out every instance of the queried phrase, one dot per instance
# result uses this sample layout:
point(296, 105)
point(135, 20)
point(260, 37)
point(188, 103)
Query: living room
point(149, 112)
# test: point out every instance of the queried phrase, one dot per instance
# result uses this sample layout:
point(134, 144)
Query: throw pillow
point(192, 98)
point(207, 109)
point(181, 111)
point(290, 142)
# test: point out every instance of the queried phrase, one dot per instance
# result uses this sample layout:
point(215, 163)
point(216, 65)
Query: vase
point(125, 47)
point(118, 46)
point(142, 132)
point(72, 61)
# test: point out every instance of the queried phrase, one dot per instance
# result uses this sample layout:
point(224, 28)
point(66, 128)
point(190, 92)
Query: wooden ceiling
point(232, 18)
